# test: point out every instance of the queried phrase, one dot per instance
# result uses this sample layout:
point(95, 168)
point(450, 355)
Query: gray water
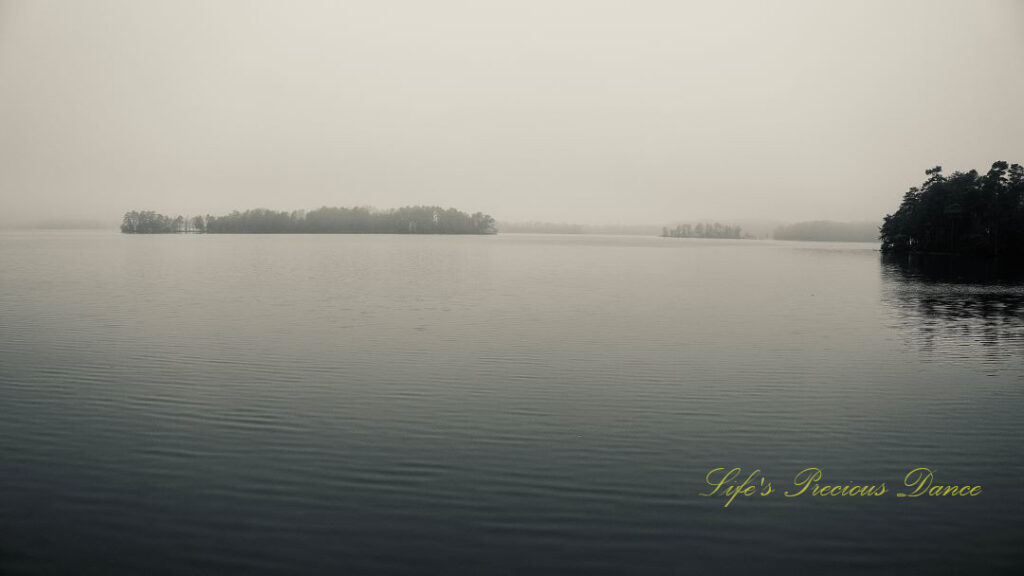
point(510, 404)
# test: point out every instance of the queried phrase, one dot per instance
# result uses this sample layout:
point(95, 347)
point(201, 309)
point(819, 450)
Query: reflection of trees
point(944, 300)
point(951, 269)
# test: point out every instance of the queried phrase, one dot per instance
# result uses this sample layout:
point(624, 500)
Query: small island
point(828, 231)
point(325, 220)
point(963, 213)
point(702, 230)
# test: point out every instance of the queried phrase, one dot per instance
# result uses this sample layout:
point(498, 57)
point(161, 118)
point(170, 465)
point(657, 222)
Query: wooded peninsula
point(325, 220)
point(963, 213)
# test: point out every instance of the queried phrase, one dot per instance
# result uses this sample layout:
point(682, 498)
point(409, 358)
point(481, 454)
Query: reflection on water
point(345, 404)
point(950, 269)
point(947, 300)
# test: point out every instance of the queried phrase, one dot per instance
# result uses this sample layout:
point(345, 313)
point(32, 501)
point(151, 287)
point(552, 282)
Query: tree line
point(828, 231)
point(965, 212)
point(325, 220)
point(702, 230)
point(149, 222)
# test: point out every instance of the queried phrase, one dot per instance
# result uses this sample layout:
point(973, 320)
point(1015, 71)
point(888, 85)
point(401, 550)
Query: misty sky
point(582, 111)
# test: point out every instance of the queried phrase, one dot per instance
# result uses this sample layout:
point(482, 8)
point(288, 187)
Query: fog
point(589, 112)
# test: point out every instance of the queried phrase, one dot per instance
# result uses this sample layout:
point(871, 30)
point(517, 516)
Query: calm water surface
point(490, 405)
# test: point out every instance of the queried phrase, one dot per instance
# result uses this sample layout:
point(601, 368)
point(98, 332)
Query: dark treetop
point(407, 220)
point(965, 213)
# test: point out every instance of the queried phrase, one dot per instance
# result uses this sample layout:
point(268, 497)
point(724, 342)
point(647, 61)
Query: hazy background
point(589, 112)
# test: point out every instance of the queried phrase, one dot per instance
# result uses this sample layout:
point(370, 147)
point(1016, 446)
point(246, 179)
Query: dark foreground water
point(491, 405)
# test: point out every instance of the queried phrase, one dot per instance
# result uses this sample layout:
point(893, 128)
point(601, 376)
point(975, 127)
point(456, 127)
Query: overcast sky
point(583, 111)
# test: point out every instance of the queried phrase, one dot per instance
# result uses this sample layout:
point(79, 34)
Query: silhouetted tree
point(962, 213)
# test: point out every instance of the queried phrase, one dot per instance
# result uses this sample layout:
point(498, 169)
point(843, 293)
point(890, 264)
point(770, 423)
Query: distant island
point(828, 231)
point(702, 230)
point(325, 220)
point(963, 213)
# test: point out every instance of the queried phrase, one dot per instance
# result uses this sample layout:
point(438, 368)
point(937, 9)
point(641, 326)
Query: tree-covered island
point(828, 231)
point(326, 220)
point(963, 213)
point(702, 230)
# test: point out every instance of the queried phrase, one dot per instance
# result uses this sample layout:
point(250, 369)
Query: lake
point(528, 404)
